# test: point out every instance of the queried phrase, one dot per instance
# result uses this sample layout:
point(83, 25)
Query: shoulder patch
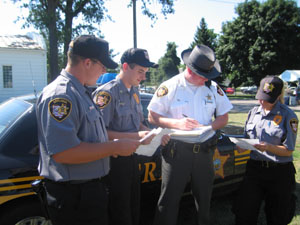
point(294, 125)
point(162, 91)
point(60, 108)
point(103, 98)
point(136, 98)
point(219, 90)
point(277, 119)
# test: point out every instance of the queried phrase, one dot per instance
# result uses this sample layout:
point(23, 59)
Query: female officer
point(270, 172)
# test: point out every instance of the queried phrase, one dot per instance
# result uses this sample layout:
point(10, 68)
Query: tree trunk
point(53, 42)
point(68, 28)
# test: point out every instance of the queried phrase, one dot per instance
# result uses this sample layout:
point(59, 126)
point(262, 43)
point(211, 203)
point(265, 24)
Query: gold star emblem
point(208, 97)
point(219, 161)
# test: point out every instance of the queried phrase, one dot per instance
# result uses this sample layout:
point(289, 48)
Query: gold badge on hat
point(277, 119)
point(103, 98)
point(136, 98)
point(219, 90)
point(60, 109)
point(162, 91)
point(294, 125)
point(268, 87)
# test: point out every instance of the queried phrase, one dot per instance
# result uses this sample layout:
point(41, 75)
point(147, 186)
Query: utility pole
point(134, 23)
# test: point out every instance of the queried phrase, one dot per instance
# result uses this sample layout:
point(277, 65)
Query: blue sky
point(179, 27)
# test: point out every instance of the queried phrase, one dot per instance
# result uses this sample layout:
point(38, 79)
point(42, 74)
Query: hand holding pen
point(188, 123)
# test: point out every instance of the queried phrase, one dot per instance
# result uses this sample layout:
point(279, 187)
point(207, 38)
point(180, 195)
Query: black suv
point(19, 159)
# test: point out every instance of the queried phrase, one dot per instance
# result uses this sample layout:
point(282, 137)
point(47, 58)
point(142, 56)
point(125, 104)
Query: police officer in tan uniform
point(74, 146)
point(270, 173)
point(184, 102)
point(120, 103)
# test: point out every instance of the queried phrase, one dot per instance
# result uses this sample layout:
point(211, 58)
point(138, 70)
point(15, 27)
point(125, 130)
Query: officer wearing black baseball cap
point(120, 103)
point(73, 141)
point(270, 172)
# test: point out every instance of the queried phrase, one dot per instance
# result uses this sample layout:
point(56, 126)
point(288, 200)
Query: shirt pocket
point(94, 126)
point(123, 119)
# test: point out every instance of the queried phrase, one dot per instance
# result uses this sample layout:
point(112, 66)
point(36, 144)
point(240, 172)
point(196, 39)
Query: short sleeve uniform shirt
point(67, 116)
point(278, 127)
point(121, 108)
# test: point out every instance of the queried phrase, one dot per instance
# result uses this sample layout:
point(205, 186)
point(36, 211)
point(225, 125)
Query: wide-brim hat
point(202, 61)
point(89, 46)
point(270, 89)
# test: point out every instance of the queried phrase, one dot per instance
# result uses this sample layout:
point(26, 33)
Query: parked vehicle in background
point(19, 156)
point(150, 90)
point(229, 90)
point(249, 90)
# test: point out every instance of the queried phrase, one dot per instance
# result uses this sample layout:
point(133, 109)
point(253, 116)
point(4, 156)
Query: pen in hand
point(184, 115)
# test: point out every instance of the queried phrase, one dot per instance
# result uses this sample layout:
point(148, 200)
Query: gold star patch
point(60, 109)
point(268, 87)
point(136, 98)
point(162, 91)
point(219, 161)
point(294, 125)
point(103, 98)
point(277, 119)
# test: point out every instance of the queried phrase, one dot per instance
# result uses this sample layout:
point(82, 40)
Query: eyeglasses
point(99, 63)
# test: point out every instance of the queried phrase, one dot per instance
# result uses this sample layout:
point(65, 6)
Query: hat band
point(200, 69)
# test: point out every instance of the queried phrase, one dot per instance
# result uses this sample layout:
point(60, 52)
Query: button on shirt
point(82, 123)
point(275, 128)
point(198, 102)
point(123, 111)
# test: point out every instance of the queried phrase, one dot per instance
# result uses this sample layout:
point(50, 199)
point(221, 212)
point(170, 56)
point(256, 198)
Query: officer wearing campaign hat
point(184, 102)
point(74, 147)
point(120, 102)
point(270, 173)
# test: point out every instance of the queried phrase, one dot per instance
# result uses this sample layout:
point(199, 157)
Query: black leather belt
point(266, 164)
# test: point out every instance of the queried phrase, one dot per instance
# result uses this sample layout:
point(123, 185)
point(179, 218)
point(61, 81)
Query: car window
point(10, 112)
point(145, 103)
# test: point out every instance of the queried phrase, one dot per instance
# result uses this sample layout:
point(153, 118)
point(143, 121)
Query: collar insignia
point(136, 98)
point(60, 109)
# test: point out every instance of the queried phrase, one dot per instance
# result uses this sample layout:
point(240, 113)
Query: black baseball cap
point(137, 56)
point(269, 89)
point(89, 46)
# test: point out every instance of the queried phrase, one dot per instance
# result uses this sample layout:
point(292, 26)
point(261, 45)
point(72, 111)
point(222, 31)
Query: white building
point(23, 65)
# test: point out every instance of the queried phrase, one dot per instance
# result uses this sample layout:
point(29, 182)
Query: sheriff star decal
point(219, 90)
point(103, 98)
point(219, 161)
point(277, 119)
point(294, 125)
point(268, 87)
point(60, 109)
point(162, 91)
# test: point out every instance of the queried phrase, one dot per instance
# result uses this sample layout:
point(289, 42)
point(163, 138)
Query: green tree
point(204, 36)
point(55, 20)
point(262, 40)
point(168, 65)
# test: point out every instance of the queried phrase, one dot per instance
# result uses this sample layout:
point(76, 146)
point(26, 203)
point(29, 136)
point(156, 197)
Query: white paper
point(148, 150)
point(197, 135)
point(245, 143)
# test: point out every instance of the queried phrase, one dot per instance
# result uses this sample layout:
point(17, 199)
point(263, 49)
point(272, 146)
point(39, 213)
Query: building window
point(7, 76)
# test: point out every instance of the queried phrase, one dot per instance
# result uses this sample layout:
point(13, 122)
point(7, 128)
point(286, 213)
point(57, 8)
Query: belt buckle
point(196, 148)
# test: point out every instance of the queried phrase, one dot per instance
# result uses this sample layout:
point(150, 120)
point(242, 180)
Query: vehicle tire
point(25, 213)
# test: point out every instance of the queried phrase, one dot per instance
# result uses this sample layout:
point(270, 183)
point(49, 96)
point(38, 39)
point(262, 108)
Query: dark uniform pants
point(181, 163)
point(124, 191)
point(273, 183)
point(77, 204)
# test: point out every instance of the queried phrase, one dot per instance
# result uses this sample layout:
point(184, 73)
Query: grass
point(221, 207)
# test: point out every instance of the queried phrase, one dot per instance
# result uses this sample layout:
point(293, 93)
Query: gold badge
point(136, 98)
point(268, 87)
point(103, 98)
point(60, 108)
point(294, 125)
point(277, 119)
point(162, 91)
point(219, 161)
point(219, 90)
